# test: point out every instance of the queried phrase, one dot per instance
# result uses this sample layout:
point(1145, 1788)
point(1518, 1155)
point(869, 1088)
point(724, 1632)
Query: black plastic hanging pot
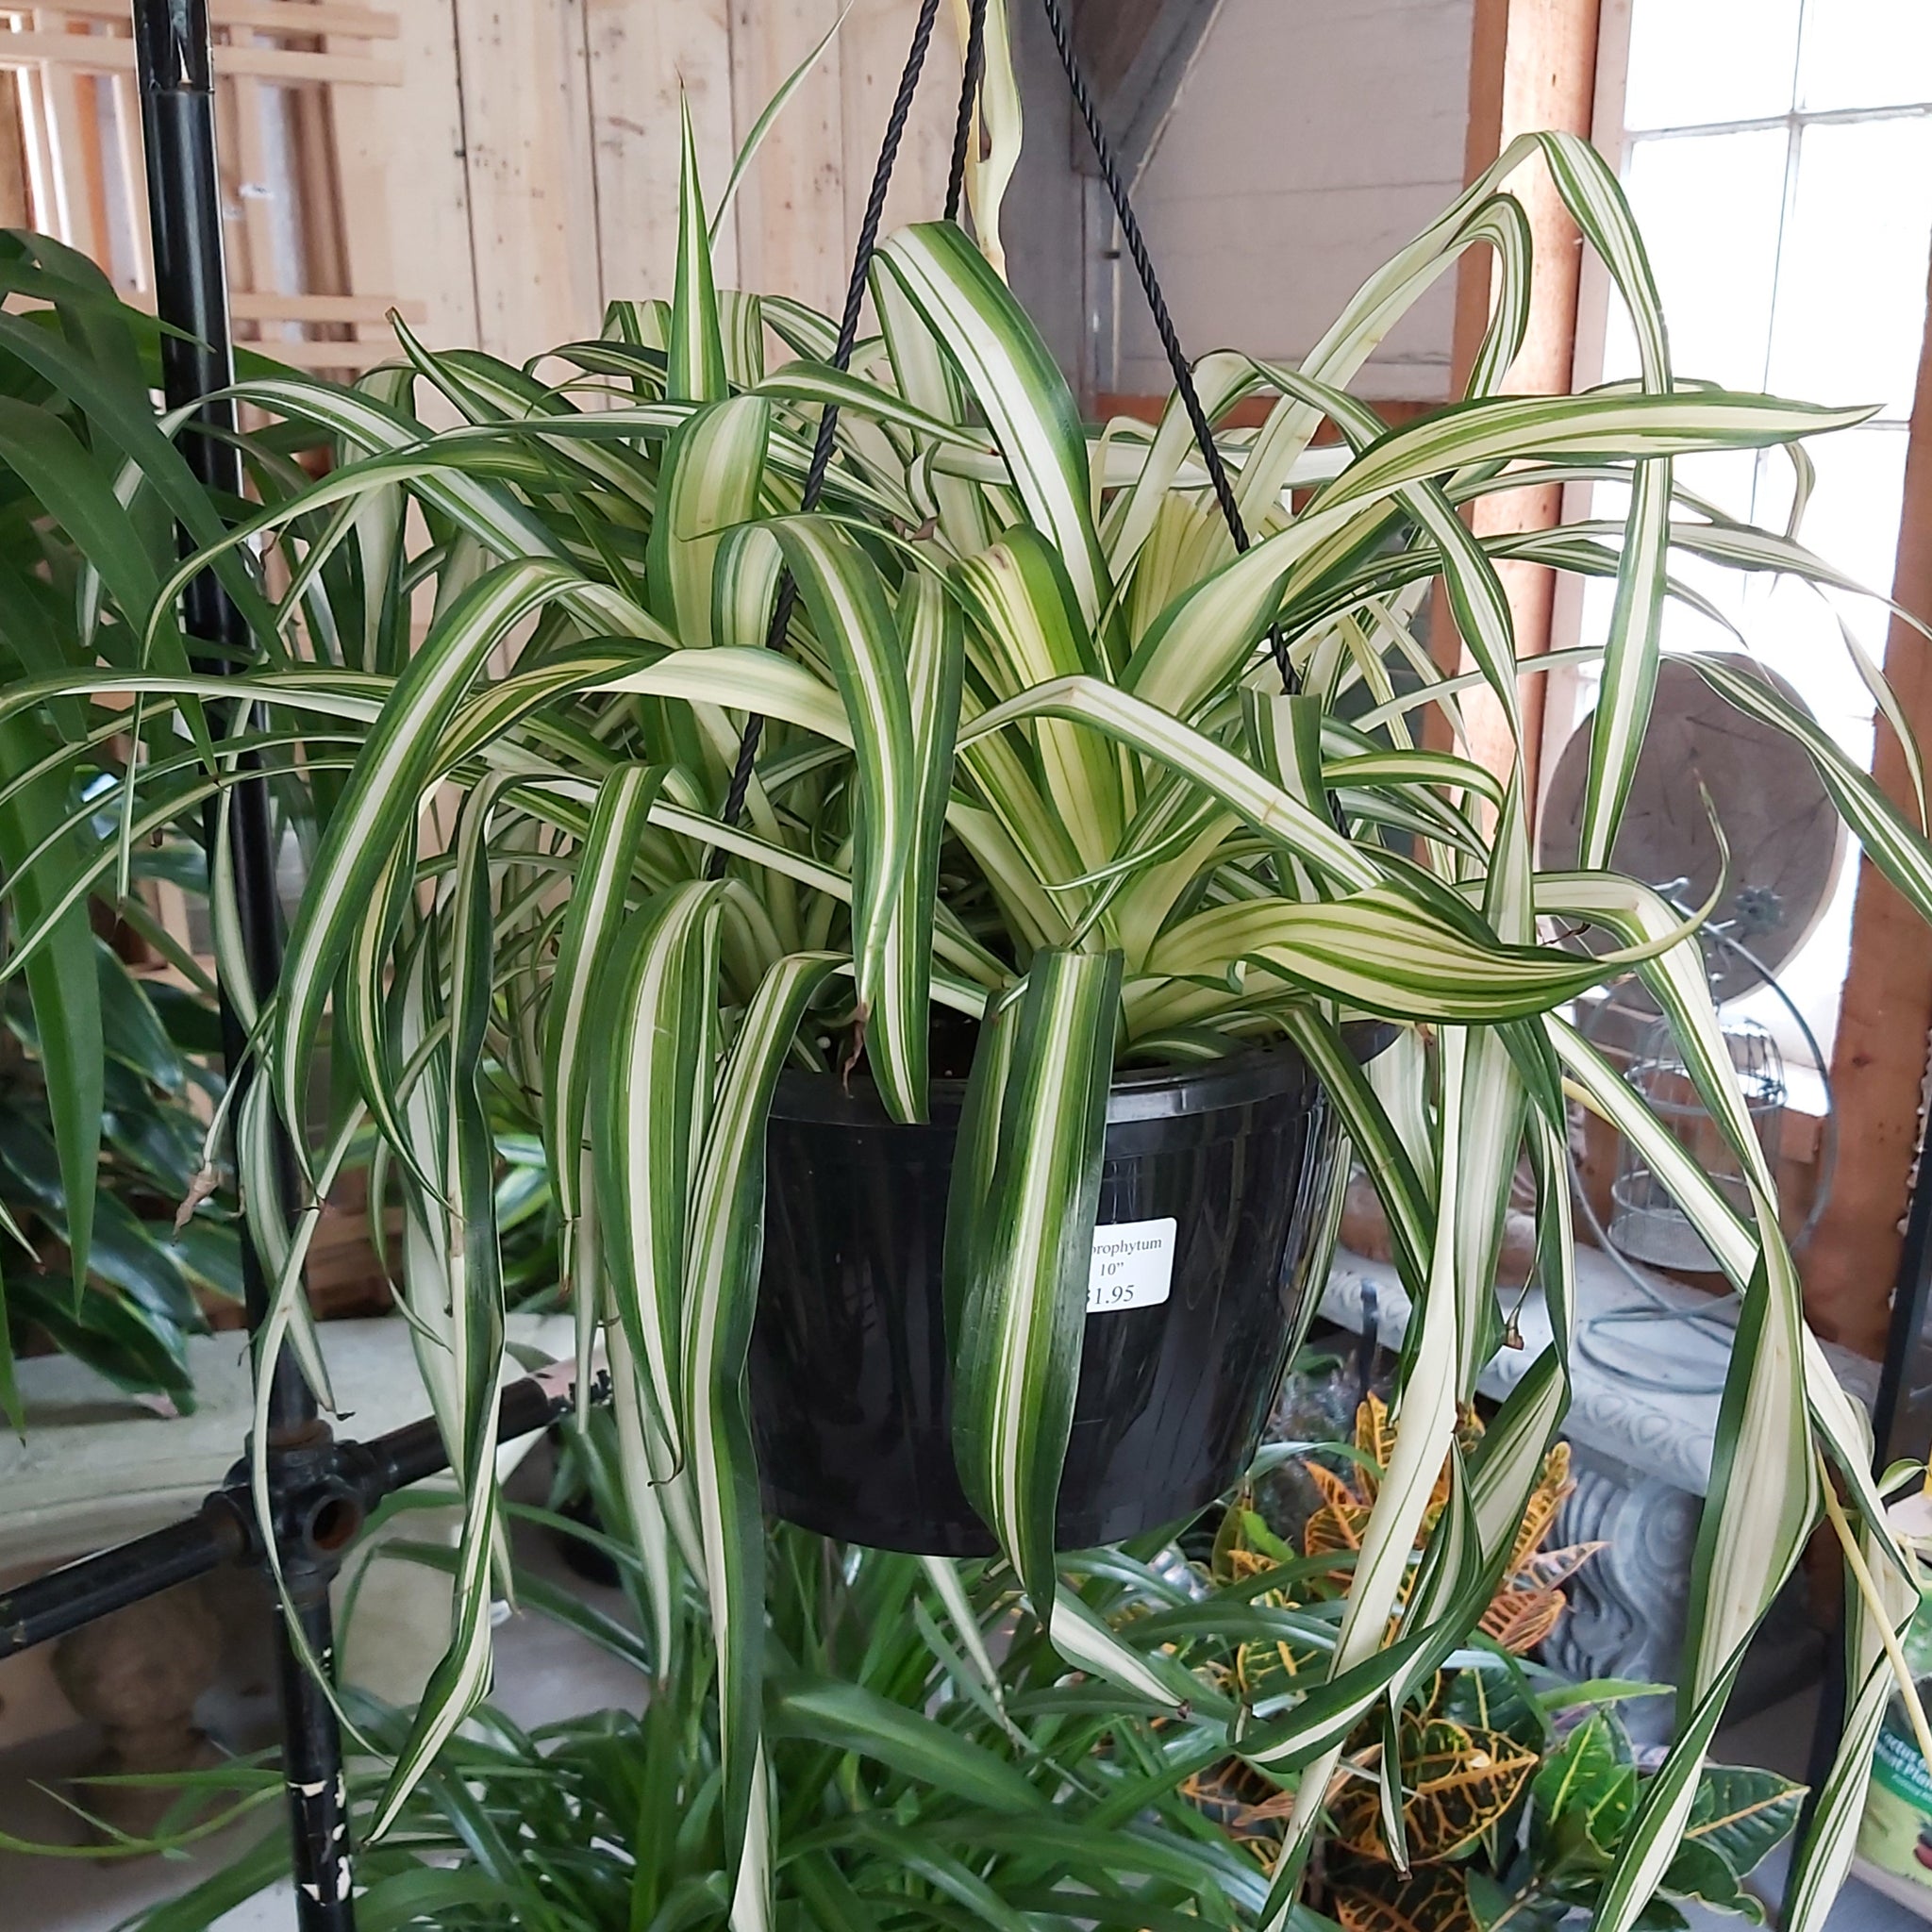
point(1209, 1203)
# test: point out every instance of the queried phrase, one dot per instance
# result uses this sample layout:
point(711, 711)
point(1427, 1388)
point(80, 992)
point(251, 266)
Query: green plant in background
point(141, 1300)
point(1029, 758)
point(104, 1083)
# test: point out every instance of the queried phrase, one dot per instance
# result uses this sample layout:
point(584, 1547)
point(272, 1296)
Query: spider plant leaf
point(994, 140)
point(743, 680)
point(1009, 370)
point(748, 149)
point(852, 622)
point(1023, 1306)
point(1651, 1840)
point(362, 1003)
point(1823, 1855)
point(461, 1678)
point(898, 1030)
point(652, 1000)
point(1027, 630)
point(1622, 721)
point(1086, 1642)
point(823, 382)
point(1373, 1134)
point(852, 1716)
point(593, 918)
point(695, 356)
point(1145, 728)
point(712, 473)
point(1220, 380)
point(1377, 950)
point(930, 384)
point(725, 1247)
point(380, 804)
point(1206, 635)
point(1893, 844)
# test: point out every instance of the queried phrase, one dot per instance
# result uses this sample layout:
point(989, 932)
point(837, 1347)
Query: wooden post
point(1532, 66)
point(1878, 1065)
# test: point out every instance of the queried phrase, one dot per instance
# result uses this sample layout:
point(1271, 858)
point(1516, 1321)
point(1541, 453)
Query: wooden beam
point(1532, 66)
point(1136, 54)
point(114, 53)
point(16, 198)
point(1878, 1064)
point(264, 16)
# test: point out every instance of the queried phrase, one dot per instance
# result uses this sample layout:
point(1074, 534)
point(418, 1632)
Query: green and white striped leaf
point(711, 479)
point(852, 622)
point(380, 804)
point(651, 1017)
point(726, 1246)
point(1011, 375)
point(899, 1027)
point(593, 918)
point(1023, 1303)
point(694, 355)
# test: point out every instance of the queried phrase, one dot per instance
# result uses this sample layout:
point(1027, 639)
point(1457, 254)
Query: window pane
point(1708, 206)
point(1696, 62)
point(1851, 296)
point(1865, 54)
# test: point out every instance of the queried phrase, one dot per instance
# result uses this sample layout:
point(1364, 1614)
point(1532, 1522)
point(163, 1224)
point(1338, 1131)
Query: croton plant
point(1042, 750)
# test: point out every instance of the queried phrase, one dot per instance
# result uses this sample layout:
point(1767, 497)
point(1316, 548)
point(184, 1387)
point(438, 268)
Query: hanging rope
point(969, 97)
point(1156, 306)
point(829, 422)
point(974, 66)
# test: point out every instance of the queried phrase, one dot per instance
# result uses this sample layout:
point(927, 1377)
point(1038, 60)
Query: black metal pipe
point(312, 1762)
point(64, 1600)
point(175, 61)
point(327, 1493)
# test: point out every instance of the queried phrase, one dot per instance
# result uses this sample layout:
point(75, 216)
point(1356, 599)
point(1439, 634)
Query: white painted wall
point(1313, 139)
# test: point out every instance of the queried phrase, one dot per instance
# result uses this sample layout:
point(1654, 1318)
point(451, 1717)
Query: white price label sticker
point(1133, 1265)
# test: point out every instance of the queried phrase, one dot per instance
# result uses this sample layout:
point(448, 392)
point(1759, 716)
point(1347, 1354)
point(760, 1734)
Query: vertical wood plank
point(404, 180)
point(1878, 1064)
point(73, 149)
point(533, 203)
point(128, 167)
point(876, 36)
point(640, 58)
point(243, 105)
point(16, 200)
point(1532, 65)
point(791, 209)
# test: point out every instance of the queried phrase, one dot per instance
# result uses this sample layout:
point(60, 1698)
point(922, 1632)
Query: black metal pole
point(324, 1498)
point(175, 63)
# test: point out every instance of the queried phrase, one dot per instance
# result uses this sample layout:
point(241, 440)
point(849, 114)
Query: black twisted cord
point(1156, 306)
point(787, 603)
point(968, 94)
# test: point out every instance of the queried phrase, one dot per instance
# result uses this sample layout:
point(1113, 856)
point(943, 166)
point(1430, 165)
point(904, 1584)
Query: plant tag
point(1133, 1265)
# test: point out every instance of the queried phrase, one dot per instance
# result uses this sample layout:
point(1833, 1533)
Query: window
point(1778, 154)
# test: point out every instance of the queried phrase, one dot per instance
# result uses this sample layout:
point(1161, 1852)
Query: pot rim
point(1136, 1093)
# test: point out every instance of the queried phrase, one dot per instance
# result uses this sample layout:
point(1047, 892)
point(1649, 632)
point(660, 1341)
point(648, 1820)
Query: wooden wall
point(1307, 146)
point(529, 161)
